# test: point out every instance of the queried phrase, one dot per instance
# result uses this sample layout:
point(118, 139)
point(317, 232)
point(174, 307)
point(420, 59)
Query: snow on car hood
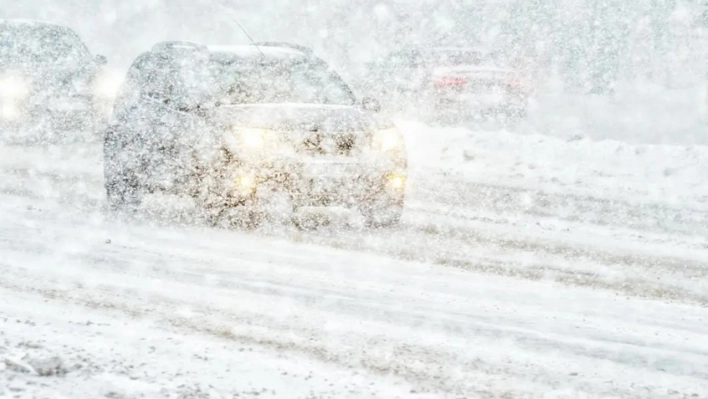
point(292, 116)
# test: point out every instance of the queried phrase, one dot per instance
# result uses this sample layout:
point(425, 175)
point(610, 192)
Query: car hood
point(41, 76)
point(296, 117)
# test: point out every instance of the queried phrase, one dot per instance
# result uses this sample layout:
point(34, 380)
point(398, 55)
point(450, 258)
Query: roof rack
point(181, 45)
point(294, 46)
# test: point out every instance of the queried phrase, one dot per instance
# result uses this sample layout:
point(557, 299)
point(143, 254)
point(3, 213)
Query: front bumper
point(313, 182)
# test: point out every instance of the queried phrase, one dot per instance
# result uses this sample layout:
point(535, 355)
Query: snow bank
point(675, 175)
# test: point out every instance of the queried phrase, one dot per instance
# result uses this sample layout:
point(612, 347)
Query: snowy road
point(485, 291)
point(408, 324)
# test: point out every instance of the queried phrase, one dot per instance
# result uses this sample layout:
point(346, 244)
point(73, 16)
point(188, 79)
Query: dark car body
point(48, 75)
point(231, 126)
point(449, 82)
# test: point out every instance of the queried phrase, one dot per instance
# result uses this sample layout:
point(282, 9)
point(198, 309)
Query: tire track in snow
point(432, 235)
point(222, 313)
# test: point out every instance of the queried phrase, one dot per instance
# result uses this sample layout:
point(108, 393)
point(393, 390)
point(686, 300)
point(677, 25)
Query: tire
point(385, 217)
point(123, 196)
point(121, 190)
point(308, 223)
point(248, 218)
point(382, 212)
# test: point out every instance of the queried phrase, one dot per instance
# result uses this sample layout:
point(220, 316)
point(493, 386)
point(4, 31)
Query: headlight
point(247, 140)
point(387, 140)
point(396, 181)
point(13, 86)
point(107, 84)
point(252, 139)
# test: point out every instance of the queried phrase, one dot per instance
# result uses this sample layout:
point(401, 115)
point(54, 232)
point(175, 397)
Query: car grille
point(329, 144)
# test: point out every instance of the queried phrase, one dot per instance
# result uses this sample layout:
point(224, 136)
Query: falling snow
point(360, 199)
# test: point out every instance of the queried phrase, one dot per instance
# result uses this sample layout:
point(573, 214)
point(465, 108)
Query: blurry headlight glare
point(246, 181)
point(387, 140)
point(13, 86)
point(396, 181)
point(107, 84)
point(252, 139)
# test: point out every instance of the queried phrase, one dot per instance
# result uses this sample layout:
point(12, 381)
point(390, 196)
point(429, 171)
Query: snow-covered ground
point(670, 174)
point(371, 326)
point(526, 266)
point(60, 349)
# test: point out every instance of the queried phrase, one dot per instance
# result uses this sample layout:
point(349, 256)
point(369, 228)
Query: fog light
point(396, 181)
point(246, 181)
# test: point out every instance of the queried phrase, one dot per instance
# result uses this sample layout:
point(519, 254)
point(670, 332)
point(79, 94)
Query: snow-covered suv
point(47, 75)
point(236, 127)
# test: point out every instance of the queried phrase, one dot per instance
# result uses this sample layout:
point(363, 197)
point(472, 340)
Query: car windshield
point(250, 83)
point(39, 44)
point(181, 78)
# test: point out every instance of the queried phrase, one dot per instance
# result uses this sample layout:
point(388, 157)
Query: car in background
point(49, 79)
point(251, 131)
point(450, 83)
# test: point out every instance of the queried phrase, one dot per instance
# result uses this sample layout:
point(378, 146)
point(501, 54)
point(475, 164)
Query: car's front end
point(49, 80)
point(73, 102)
point(318, 156)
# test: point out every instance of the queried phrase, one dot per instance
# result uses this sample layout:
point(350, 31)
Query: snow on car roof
point(29, 22)
point(251, 51)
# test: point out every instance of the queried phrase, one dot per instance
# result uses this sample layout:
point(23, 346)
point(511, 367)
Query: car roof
point(233, 53)
point(31, 23)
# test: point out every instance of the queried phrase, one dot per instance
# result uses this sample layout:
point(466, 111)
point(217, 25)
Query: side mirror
point(100, 59)
point(370, 104)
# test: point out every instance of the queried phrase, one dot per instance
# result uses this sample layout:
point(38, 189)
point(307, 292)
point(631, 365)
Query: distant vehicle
point(238, 128)
point(449, 83)
point(47, 75)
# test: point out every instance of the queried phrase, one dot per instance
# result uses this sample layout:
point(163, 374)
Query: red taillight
point(450, 81)
point(515, 83)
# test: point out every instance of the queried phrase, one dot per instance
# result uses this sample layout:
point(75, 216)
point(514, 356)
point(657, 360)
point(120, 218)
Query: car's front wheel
point(382, 211)
point(243, 216)
point(122, 195)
